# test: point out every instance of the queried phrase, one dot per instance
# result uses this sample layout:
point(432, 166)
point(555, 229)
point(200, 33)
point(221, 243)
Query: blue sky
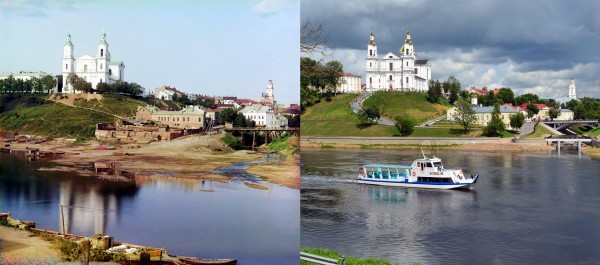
point(207, 47)
point(530, 46)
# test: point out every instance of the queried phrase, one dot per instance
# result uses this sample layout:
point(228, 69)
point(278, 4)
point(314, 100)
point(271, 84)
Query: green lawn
point(540, 131)
point(336, 109)
point(407, 104)
point(594, 132)
point(349, 259)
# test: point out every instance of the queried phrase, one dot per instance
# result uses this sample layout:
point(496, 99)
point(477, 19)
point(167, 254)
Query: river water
point(206, 219)
point(534, 208)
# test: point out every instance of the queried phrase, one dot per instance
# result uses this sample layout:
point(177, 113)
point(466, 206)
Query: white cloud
point(271, 7)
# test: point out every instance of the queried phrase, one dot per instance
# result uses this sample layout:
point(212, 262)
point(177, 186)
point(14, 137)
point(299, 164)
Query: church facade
point(393, 72)
point(93, 69)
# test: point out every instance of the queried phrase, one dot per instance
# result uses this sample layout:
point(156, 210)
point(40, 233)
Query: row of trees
point(34, 85)
point(449, 89)
point(318, 80)
point(235, 117)
point(185, 100)
point(465, 117)
point(117, 87)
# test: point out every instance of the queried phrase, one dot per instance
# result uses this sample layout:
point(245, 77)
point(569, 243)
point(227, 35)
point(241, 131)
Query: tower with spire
point(391, 72)
point(572, 95)
point(94, 70)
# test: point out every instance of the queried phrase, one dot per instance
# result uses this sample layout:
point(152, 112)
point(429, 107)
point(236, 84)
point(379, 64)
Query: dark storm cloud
point(540, 35)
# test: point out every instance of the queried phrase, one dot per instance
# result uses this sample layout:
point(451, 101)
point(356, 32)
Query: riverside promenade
point(357, 140)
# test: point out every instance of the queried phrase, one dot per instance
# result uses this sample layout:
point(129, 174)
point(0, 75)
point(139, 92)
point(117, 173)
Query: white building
point(268, 96)
point(396, 73)
point(93, 69)
point(264, 116)
point(572, 94)
point(350, 83)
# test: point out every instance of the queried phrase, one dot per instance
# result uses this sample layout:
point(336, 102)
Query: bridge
point(560, 125)
point(568, 139)
point(270, 133)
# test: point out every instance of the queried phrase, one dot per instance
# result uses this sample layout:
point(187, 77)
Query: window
point(370, 52)
point(416, 72)
point(370, 64)
point(199, 119)
point(101, 52)
point(109, 71)
point(370, 80)
point(66, 66)
point(407, 63)
point(407, 80)
point(85, 67)
point(100, 65)
point(391, 66)
point(390, 77)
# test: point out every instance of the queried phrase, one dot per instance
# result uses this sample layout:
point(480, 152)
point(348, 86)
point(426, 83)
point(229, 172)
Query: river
point(207, 219)
point(527, 208)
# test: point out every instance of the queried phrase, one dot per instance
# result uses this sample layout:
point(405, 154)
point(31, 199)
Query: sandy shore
point(22, 247)
point(194, 157)
point(286, 173)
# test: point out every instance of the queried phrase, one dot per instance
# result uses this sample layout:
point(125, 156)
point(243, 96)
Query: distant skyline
point(529, 46)
point(211, 47)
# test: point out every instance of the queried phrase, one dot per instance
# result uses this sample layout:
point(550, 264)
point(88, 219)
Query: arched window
point(391, 66)
point(85, 67)
point(100, 65)
point(66, 66)
point(370, 64)
point(109, 71)
point(407, 80)
point(390, 77)
point(101, 52)
point(406, 63)
point(370, 80)
point(370, 52)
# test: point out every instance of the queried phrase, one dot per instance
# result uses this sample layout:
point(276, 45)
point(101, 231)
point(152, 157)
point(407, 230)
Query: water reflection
point(188, 216)
point(523, 205)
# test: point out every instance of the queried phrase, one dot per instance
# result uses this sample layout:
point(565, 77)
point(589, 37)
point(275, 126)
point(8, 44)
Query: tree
point(49, 83)
point(370, 112)
point(434, 92)
point(553, 113)
point(496, 125)
point(405, 126)
point(527, 98)
point(506, 95)
point(71, 79)
point(517, 120)
point(531, 108)
point(102, 88)
point(313, 39)
point(83, 86)
point(464, 115)
point(134, 89)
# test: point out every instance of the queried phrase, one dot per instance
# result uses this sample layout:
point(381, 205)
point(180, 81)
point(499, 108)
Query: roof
point(256, 109)
point(115, 63)
point(503, 109)
point(372, 42)
point(188, 110)
point(479, 91)
point(387, 166)
point(539, 106)
point(349, 74)
point(424, 61)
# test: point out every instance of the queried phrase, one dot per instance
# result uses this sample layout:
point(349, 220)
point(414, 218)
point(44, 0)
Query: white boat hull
point(436, 185)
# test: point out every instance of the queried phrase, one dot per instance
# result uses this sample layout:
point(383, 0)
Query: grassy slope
point(345, 125)
point(407, 104)
point(116, 104)
point(540, 132)
point(52, 119)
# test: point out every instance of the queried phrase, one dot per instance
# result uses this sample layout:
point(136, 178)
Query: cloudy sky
point(208, 47)
point(529, 46)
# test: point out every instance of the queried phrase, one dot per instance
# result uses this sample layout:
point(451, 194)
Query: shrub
point(232, 142)
point(405, 126)
point(70, 249)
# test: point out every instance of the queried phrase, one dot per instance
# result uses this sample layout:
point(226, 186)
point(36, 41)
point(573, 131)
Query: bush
point(72, 250)
point(405, 126)
point(232, 142)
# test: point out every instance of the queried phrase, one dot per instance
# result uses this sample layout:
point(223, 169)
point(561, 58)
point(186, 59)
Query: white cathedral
point(96, 69)
point(396, 73)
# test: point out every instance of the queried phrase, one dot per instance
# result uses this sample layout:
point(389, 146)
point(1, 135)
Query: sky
point(209, 47)
point(529, 46)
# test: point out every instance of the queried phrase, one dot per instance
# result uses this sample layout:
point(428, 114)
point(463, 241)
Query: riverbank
point(484, 144)
point(195, 157)
point(23, 247)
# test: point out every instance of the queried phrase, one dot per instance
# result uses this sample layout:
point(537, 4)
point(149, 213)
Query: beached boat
point(198, 261)
point(423, 173)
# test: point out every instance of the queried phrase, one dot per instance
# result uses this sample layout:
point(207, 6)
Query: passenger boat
point(423, 173)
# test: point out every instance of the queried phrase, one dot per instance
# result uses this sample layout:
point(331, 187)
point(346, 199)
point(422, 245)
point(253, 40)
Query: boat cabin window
point(438, 164)
point(428, 164)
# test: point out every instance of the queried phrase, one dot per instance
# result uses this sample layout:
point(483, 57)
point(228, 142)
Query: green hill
point(37, 115)
point(335, 118)
point(413, 105)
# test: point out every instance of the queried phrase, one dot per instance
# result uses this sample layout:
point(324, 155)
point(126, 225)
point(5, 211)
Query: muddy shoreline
point(193, 157)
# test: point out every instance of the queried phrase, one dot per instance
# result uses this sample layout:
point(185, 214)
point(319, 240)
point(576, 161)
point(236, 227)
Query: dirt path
point(22, 247)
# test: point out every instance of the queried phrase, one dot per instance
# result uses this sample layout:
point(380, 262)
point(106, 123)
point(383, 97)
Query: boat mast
point(424, 157)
